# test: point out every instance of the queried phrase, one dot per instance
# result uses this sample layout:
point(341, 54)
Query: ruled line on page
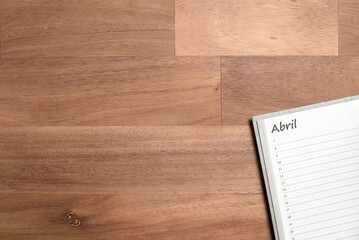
point(318, 214)
point(324, 205)
point(320, 150)
point(309, 145)
point(305, 174)
point(304, 160)
point(315, 136)
point(312, 179)
point(320, 184)
point(336, 195)
point(332, 233)
point(314, 165)
point(318, 229)
point(323, 191)
point(312, 223)
point(348, 237)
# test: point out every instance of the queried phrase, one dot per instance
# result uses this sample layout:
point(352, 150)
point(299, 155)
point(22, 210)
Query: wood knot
point(73, 219)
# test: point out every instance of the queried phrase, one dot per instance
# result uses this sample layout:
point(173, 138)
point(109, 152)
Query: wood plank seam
point(221, 91)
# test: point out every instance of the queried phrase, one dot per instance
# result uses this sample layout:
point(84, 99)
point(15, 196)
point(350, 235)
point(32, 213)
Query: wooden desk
point(131, 119)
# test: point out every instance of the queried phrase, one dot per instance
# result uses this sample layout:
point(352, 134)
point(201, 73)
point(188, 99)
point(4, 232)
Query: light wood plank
point(110, 91)
point(139, 217)
point(259, 85)
point(256, 27)
point(348, 27)
point(128, 160)
point(0, 30)
point(41, 28)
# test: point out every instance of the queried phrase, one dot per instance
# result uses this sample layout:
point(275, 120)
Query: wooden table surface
point(131, 119)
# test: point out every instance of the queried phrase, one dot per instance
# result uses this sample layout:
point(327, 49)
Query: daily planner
point(310, 163)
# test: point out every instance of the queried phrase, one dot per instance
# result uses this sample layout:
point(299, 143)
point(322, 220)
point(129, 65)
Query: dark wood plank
point(41, 28)
point(348, 27)
point(256, 27)
point(139, 217)
point(110, 91)
point(128, 160)
point(259, 85)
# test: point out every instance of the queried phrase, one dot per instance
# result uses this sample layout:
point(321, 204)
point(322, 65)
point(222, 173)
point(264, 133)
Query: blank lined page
point(314, 171)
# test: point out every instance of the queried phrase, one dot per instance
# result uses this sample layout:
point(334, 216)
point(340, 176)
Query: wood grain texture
point(256, 27)
point(128, 160)
point(348, 27)
point(41, 28)
point(259, 85)
point(140, 217)
point(110, 91)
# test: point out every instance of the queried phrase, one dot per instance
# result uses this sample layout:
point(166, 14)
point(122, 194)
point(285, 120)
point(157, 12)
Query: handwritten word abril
point(284, 126)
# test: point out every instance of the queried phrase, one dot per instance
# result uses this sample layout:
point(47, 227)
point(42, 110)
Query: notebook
point(310, 163)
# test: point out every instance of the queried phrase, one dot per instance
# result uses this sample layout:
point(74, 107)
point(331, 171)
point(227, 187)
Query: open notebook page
point(314, 171)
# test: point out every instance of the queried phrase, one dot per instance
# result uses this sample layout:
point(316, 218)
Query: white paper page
point(315, 166)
